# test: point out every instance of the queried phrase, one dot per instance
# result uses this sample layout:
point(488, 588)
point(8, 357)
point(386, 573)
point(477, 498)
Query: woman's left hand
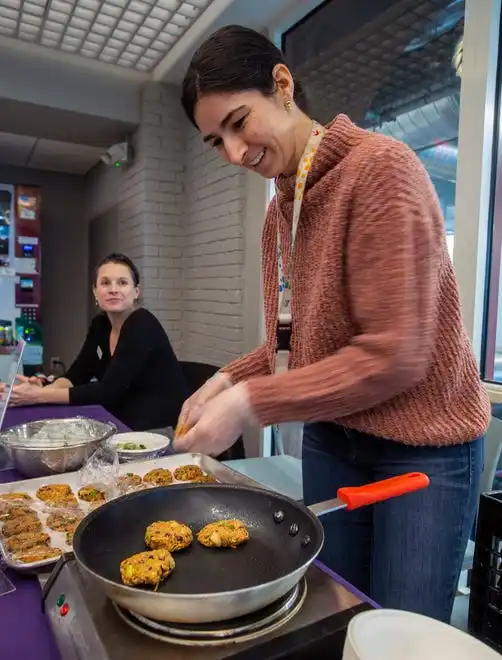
point(222, 421)
point(25, 394)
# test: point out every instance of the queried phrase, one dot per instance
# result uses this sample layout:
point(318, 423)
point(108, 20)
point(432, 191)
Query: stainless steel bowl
point(54, 446)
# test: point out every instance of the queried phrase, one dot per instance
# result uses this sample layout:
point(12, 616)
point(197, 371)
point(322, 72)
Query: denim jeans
point(405, 553)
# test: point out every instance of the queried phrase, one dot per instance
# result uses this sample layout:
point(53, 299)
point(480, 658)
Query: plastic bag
point(98, 476)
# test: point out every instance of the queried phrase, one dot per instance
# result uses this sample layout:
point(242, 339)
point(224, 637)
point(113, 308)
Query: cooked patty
point(158, 477)
point(223, 534)
point(91, 494)
point(169, 534)
point(26, 541)
point(69, 534)
point(29, 523)
point(188, 473)
point(38, 554)
point(150, 567)
point(205, 479)
point(128, 482)
point(62, 522)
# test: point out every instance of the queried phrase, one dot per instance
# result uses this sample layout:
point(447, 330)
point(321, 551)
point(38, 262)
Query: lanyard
point(284, 320)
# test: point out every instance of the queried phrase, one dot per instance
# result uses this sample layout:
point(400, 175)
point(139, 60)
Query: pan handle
point(353, 497)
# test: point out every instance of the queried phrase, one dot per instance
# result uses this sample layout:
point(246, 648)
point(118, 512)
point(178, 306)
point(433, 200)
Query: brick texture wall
point(181, 219)
point(151, 216)
point(213, 256)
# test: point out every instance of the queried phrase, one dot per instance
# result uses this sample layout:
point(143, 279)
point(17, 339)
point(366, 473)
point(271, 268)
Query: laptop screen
point(10, 364)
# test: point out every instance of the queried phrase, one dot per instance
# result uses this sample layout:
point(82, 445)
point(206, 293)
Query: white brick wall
point(152, 206)
point(182, 218)
point(213, 256)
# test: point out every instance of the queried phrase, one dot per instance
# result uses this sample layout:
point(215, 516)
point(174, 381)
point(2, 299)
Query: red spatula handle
point(357, 496)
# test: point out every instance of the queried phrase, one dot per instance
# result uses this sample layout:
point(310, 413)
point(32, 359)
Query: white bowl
point(396, 635)
point(155, 444)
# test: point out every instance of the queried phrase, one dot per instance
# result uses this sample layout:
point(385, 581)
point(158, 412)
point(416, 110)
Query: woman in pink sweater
point(365, 343)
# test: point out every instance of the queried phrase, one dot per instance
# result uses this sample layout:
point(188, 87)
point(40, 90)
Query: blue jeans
point(405, 553)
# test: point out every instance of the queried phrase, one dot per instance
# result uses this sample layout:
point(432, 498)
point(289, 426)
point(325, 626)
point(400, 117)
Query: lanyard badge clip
point(284, 332)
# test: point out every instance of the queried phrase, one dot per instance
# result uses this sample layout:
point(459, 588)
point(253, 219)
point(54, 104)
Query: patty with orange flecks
point(168, 534)
point(147, 568)
point(223, 534)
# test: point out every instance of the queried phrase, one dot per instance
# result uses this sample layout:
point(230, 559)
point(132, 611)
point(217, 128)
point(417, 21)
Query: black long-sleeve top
point(142, 384)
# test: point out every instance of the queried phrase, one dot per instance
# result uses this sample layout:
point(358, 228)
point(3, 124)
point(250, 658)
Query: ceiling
point(24, 151)
point(133, 34)
point(71, 69)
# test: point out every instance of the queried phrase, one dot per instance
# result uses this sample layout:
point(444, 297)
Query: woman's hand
point(25, 394)
point(32, 380)
point(192, 408)
point(221, 420)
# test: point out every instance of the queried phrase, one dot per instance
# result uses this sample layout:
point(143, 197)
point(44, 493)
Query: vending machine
point(20, 272)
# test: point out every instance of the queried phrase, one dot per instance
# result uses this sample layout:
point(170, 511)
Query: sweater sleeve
point(132, 352)
point(253, 364)
point(393, 258)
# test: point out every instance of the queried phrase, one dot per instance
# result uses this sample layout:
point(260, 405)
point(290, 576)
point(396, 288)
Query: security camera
point(118, 155)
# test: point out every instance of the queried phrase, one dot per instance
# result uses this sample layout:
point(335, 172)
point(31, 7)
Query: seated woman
point(138, 378)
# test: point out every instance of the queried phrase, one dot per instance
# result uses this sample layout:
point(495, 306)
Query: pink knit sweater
point(378, 342)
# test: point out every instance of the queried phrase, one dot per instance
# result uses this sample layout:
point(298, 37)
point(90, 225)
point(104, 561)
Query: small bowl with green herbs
point(139, 445)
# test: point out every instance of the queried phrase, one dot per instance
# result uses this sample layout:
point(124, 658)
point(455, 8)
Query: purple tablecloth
point(25, 633)
point(24, 630)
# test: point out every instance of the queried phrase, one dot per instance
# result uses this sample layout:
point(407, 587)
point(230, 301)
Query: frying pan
point(222, 583)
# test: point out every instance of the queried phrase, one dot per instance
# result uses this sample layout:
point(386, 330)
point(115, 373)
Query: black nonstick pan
point(222, 583)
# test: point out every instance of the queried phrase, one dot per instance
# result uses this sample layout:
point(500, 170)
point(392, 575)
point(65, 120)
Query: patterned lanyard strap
point(284, 321)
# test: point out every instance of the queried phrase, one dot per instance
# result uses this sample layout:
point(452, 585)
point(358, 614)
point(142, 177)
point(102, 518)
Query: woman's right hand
point(193, 406)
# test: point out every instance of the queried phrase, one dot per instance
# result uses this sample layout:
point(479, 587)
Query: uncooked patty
point(188, 473)
point(29, 523)
point(26, 541)
point(38, 554)
point(14, 511)
point(10, 500)
point(158, 477)
point(223, 534)
point(58, 495)
point(67, 502)
point(148, 568)
point(54, 492)
point(62, 522)
point(8, 497)
point(169, 534)
point(205, 479)
point(69, 534)
point(129, 481)
point(91, 494)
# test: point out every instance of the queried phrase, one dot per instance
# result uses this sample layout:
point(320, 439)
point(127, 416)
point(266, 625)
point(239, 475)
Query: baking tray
point(208, 465)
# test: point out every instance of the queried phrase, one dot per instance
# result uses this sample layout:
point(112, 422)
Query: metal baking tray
point(208, 465)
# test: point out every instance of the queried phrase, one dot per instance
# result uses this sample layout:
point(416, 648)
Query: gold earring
point(97, 303)
point(288, 104)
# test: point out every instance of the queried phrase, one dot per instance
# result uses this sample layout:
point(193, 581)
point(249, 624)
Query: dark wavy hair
point(233, 59)
point(118, 258)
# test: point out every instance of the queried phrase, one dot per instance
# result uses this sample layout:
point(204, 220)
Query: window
point(390, 66)
point(491, 367)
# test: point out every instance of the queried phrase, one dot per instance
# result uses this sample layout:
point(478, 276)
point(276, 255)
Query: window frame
point(473, 197)
point(494, 242)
